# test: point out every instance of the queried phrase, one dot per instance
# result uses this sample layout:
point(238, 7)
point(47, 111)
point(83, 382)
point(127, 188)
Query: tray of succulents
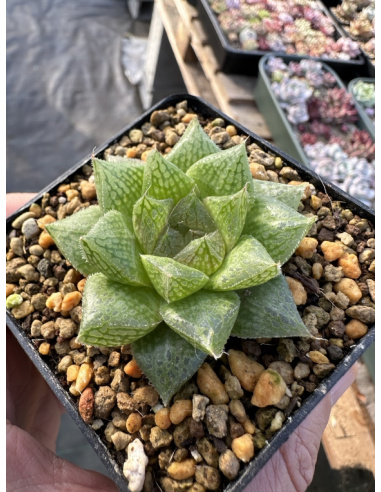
point(314, 118)
point(356, 19)
point(188, 303)
point(240, 33)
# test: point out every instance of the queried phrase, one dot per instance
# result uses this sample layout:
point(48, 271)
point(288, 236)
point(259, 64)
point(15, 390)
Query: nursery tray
point(234, 60)
point(205, 109)
point(281, 129)
point(367, 122)
point(368, 68)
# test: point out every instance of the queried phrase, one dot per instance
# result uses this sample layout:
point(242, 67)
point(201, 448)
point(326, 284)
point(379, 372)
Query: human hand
point(33, 421)
point(292, 467)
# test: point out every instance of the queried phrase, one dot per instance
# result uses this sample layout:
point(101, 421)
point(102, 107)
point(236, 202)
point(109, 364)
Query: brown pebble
point(184, 469)
point(134, 422)
point(356, 329)
point(243, 447)
point(86, 405)
point(245, 369)
point(210, 385)
point(162, 419)
point(269, 389)
point(180, 410)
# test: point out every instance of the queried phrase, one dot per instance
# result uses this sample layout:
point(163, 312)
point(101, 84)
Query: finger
point(31, 466)
point(16, 200)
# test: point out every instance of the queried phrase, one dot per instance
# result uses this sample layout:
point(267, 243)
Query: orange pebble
point(132, 369)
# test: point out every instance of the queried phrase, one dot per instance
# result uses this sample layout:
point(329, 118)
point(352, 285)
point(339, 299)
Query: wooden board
point(348, 439)
point(233, 94)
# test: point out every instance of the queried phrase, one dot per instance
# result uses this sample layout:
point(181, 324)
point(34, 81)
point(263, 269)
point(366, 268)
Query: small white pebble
point(134, 467)
point(62, 199)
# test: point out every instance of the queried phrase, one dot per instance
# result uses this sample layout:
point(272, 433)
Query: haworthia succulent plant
point(182, 252)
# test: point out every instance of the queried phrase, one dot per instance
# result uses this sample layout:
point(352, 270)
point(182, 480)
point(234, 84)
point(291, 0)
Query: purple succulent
point(297, 113)
point(233, 4)
point(292, 91)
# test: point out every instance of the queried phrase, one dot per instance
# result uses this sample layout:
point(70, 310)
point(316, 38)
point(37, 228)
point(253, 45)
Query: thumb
point(31, 466)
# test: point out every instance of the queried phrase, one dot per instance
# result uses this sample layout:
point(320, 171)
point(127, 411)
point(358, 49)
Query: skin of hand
point(34, 414)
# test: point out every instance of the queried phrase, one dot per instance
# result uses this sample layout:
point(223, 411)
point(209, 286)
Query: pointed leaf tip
point(167, 360)
point(205, 319)
point(171, 279)
point(68, 232)
point(193, 146)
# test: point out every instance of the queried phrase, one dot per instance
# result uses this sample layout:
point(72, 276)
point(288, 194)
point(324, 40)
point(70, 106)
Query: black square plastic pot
point(204, 109)
point(234, 60)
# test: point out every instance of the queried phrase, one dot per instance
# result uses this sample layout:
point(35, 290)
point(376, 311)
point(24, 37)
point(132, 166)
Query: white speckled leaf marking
point(229, 213)
point(167, 359)
point(278, 227)
point(116, 314)
point(67, 233)
point(246, 265)
point(172, 279)
point(113, 250)
point(164, 180)
point(272, 307)
point(224, 173)
point(193, 146)
point(118, 184)
point(149, 218)
point(205, 254)
point(205, 319)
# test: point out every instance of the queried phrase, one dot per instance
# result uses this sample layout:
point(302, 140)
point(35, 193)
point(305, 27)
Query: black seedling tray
point(204, 109)
point(233, 60)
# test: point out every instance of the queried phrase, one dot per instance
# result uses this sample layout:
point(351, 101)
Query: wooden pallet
point(233, 94)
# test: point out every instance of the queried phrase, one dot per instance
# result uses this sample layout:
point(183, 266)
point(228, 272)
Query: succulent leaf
point(118, 184)
point(115, 314)
point(278, 227)
point(269, 310)
point(229, 213)
point(205, 319)
point(167, 359)
point(289, 195)
point(172, 241)
point(164, 180)
point(205, 254)
point(172, 279)
point(149, 218)
point(111, 248)
point(224, 173)
point(191, 213)
point(67, 233)
point(246, 265)
point(193, 146)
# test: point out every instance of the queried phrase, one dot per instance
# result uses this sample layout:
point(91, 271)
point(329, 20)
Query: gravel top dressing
point(232, 407)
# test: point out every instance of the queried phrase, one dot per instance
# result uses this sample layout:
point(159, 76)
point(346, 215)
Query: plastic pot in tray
point(235, 60)
point(46, 365)
point(367, 122)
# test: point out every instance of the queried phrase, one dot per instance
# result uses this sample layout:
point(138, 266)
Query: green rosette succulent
point(182, 252)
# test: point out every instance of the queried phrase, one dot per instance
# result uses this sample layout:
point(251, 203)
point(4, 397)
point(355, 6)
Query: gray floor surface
point(66, 94)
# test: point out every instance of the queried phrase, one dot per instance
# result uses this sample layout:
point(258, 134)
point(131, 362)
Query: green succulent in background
point(182, 252)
